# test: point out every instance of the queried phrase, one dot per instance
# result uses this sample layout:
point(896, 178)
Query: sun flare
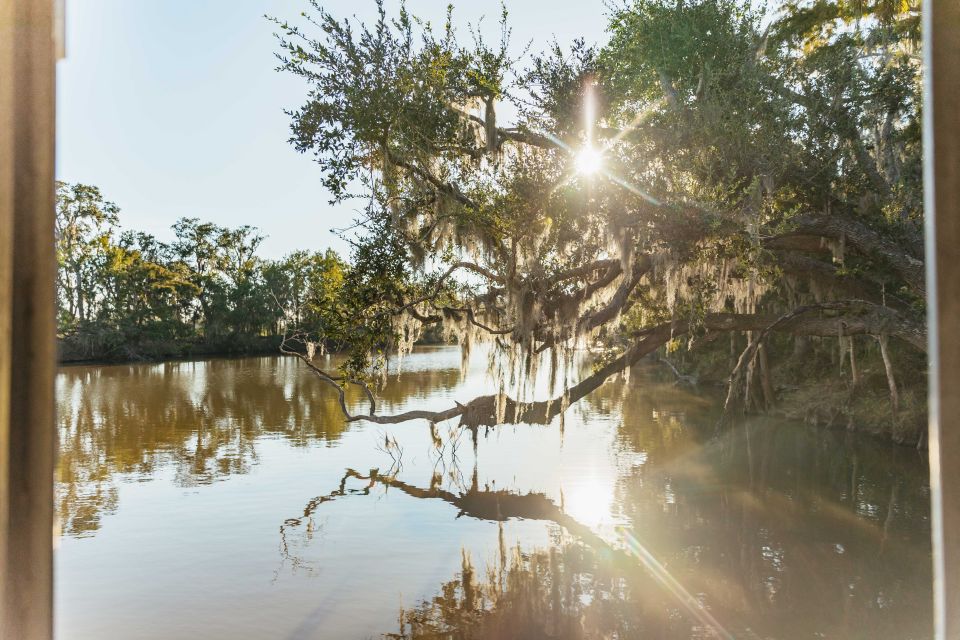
point(589, 161)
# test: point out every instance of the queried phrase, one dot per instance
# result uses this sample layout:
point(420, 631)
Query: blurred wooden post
point(27, 322)
point(941, 121)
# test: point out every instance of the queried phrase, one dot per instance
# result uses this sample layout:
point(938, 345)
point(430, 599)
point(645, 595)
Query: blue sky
point(173, 108)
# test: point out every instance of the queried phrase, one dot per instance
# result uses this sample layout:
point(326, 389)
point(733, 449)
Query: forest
point(124, 295)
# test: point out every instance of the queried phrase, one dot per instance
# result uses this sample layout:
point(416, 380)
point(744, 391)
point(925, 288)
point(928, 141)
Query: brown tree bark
point(888, 367)
point(769, 397)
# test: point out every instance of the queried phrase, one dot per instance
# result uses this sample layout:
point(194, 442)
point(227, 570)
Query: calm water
point(228, 499)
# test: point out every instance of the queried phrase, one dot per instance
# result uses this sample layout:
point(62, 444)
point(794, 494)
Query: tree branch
point(859, 317)
point(864, 240)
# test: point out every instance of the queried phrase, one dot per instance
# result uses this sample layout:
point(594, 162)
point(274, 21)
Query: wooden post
point(27, 318)
point(6, 282)
point(941, 139)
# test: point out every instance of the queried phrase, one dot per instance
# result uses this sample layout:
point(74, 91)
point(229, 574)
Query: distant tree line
point(125, 294)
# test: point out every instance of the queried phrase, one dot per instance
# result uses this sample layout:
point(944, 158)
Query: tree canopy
point(708, 169)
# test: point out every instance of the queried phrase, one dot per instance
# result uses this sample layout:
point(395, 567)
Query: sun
point(589, 161)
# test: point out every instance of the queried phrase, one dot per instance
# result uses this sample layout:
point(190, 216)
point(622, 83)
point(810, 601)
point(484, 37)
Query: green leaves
point(717, 127)
point(208, 285)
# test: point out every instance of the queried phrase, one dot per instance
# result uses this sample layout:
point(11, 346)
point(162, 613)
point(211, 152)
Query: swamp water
point(228, 498)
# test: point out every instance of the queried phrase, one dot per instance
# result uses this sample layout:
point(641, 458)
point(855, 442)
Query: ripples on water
point(228, 499)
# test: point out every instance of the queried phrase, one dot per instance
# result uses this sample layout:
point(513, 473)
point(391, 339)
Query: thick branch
point(856, 317)
point(866, 241)
point(583, 271)
point(446, 188)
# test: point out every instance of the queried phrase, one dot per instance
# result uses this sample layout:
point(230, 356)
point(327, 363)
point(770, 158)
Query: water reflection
point(203, 417)
point(634, 521)
point(581, 587)
point(770, 530)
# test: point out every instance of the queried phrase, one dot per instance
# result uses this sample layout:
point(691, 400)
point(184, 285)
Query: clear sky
point(174, 108)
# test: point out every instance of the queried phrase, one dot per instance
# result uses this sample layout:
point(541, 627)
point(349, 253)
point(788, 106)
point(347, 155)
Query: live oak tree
point(709, 170)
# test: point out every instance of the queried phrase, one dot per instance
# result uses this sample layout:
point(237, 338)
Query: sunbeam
point(660, 572)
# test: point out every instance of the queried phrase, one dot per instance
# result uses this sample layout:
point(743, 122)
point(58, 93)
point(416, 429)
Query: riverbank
point(864, 410)
point(88, 349)
point(819, 390)
point(73, 351)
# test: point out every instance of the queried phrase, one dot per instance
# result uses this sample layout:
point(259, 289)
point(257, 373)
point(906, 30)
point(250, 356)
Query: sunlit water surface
point(229, 499)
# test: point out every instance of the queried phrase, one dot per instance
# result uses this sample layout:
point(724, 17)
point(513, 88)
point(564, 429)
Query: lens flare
point(589, 113)
point(660, 573)
point(589, 161)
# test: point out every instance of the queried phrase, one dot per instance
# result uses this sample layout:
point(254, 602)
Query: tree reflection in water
point(583, 587)
point(773, 532)
point(776, 530)
point(202, 417)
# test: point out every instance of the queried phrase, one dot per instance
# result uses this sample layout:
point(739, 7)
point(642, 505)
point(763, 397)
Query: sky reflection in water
point(228, 499)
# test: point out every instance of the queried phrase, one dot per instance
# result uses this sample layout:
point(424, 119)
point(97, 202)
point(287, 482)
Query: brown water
point(228, 499)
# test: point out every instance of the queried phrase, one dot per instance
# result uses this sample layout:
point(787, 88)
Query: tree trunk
point(888, 366)
point(854, 371)
point(769, 397)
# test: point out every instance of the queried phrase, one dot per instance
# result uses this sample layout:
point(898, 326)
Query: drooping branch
point(469, 266)
point(747, 356)
point(446, 188)
point(521, 135)
point(888, 369)
point(618, 302)
point(861, 317)
point(594, 317)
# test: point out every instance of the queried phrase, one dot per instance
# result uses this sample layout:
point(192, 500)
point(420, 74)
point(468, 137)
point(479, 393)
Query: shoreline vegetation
point(735, 191)
point(125, 297)
point(71, 352)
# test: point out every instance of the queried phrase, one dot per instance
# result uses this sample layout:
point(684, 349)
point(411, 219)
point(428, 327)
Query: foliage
point(125, 293)
point(754, 166)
